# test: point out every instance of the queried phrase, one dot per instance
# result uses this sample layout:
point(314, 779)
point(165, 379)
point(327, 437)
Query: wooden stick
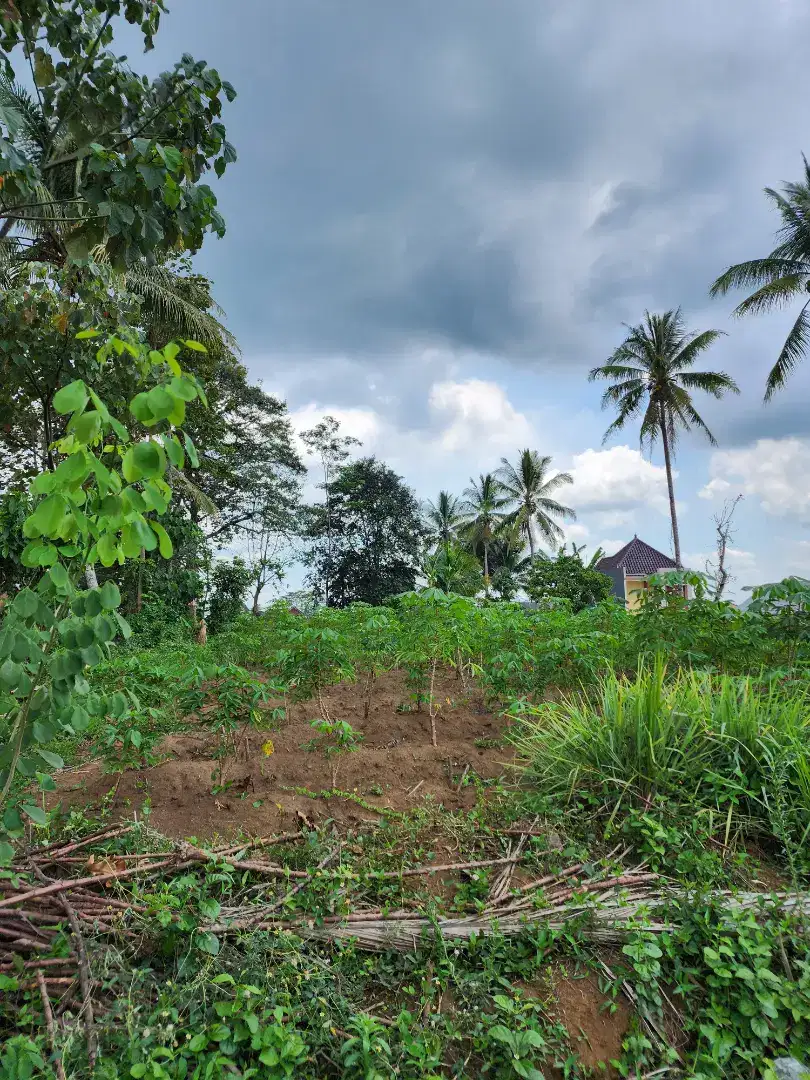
point(446, 868)
point(96, 838)
point(49, 1024)
point(267, 841)
point(41, 962)
point(85, 980)
point(64, 886)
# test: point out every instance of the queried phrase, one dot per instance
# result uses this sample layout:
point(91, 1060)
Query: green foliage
point(336, 737)
point(228, 584)
point(452, 569)
point(366, 538)
point(566, 577)
point(109, 159)
point(734, 754)
point(95, 506)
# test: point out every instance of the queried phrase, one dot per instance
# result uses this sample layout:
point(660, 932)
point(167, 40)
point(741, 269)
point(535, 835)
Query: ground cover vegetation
point(398, 824)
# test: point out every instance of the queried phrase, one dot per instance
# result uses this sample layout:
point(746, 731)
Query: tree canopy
point(367, 544)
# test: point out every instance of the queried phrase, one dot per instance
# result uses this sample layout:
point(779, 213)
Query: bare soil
point(596, 1032)
point(395, 768)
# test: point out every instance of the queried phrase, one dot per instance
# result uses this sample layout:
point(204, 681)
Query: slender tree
point(781, 277)
point(530, 488)
point(443, 518)
point(651, 375)
point(484, 506)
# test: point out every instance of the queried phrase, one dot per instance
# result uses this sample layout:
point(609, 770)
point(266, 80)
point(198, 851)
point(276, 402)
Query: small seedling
point(336, 737)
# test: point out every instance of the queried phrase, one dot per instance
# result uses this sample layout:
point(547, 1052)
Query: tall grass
point(720, 746)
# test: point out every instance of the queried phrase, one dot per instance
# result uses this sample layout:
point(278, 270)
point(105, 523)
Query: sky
point(443, 213)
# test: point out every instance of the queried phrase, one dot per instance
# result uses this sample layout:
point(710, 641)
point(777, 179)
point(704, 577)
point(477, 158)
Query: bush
point(566, 577)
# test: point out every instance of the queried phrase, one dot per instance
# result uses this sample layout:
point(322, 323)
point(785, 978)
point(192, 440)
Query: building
point(631, 568)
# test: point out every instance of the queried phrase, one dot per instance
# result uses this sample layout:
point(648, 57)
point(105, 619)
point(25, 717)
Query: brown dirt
point(596, 1034)
point(395, 756)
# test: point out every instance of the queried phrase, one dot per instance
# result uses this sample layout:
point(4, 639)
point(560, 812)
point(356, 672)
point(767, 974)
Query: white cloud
point(774, 471)
point(616, 481)
point(474, 414)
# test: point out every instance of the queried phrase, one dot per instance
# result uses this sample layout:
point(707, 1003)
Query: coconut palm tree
point(484, 507)
point(528, 485)
point(650, 375)
point(443, 518)
point(780, 277)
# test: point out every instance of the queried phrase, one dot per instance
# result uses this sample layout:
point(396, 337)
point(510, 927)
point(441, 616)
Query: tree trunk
point(486, 569)
point(676, 540)
point(255, 609)
point(531, 537)
point(90, 577)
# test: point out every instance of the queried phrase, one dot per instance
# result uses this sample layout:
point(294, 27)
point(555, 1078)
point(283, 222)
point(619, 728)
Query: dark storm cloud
point(508, 178)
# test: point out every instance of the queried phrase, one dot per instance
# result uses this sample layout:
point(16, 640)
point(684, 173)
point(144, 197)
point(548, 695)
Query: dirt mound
point(395, 768)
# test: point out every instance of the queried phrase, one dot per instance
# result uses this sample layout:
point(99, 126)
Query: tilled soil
point(395, 768)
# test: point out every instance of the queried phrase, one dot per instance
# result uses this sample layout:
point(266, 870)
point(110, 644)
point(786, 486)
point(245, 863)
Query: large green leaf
point(164, 540)
point(110, 596)
point(71, 398)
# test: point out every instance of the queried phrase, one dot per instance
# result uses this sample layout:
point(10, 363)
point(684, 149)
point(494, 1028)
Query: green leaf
point(149, 459)
point(160, 401)
point(59, 576)
point(183, 388)
point(25, 603)
point(6, 853)
point(191, 451)
point(51, 759)
point(153, 176)
point(110, 596)
point(86, 427)
point(35, 813)
point(43, 731)
point(195, 346)
point(47, 517)
point(107, 548)
point(198, 1042)
point(125, 628)
point(164, 540)
point(74, 396)
point(83, 335)
point(210, 908)
point(209, 943)
point(174, 451)
point(139, 407)
point(10, 674)
point(170, 156)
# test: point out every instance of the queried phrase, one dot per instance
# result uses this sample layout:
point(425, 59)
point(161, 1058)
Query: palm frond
point(715, 383)
point(793, 351)
point(775, 294)
point(758, 272)
point(174, 303)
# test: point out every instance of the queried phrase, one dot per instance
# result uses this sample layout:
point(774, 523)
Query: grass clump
point(722, 747)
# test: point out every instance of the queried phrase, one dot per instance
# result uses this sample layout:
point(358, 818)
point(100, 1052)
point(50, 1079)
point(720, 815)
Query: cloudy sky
point(444, 210)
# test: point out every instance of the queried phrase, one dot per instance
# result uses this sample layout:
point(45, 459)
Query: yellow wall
point(633, 588)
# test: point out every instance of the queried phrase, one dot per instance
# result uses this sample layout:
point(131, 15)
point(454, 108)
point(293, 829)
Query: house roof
point(637, 558)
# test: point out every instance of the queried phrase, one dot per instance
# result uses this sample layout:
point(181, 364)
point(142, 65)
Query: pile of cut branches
point(58, 901)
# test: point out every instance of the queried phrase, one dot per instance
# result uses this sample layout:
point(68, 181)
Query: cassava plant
point(99, 504)
point(337, 737)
